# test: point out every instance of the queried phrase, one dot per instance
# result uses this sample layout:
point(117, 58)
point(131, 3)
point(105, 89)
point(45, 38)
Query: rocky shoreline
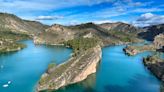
point(133, 50)
point(72, 71)
point(156, 65)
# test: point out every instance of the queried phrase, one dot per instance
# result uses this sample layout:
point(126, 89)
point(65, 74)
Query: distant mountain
point(151, 31)
point(119, 26)
point(10, 22)
point(120, 32)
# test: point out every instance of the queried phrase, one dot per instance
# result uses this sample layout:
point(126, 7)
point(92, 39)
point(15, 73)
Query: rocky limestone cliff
point(74, 70)
point(159, 41)
point(156, 65)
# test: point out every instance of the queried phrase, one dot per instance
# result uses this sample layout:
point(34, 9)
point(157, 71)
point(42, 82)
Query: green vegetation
point(12, 36)
point(123, 36)
point(7, 46)
point(44, 78)
point(51, 65)
point(8, 41)
point(80, 44)
point(75, 64)
point(162, 87)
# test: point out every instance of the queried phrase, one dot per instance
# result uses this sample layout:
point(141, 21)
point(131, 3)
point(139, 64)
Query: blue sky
point(70, 12)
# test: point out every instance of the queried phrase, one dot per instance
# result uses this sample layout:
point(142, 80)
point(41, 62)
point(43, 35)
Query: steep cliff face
point(74, 70)
point(159, 41)
point(156, 65)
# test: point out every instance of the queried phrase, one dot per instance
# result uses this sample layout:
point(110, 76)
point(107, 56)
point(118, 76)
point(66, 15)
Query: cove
point(118, 72)
point(25, 67)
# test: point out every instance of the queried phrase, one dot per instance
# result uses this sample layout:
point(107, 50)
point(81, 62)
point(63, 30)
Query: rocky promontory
point(8, 45)
point(133, 50)
point(158, 43)
point(74, 70)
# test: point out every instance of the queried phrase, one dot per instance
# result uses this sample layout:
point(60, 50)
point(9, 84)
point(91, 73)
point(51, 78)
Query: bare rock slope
point(74, 70)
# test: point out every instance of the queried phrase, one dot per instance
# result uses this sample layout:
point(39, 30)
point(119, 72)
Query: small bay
point(25, 67)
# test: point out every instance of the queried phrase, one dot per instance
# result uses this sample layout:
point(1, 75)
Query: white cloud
point(102, 21)
point(49, 17)
point(30, 9)
point(140, 10)
point(145, 17)
point(149, 19)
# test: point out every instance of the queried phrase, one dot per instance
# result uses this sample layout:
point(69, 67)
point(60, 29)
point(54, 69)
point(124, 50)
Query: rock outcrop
point(74, 70)
point(133, 50)
point(156, 65)
point(157, 44)
point(159, 41)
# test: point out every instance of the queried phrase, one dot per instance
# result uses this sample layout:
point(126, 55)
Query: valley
point(87, 41)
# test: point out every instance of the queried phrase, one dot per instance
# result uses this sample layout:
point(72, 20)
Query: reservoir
point(25, 67)
point(116, 72)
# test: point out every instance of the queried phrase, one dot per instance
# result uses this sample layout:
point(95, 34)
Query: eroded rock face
point(159, 41)
point(133, 50)
point(155, 65)
point(74, 70)
point(56, 34)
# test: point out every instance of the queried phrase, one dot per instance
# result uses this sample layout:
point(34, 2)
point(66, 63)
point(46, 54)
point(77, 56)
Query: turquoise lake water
point(24, 68)
point(118, 72)
point(115, 73)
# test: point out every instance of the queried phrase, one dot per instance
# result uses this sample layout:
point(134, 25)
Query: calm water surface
point(118, 73)
point(24, 68)
point(115, 73)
